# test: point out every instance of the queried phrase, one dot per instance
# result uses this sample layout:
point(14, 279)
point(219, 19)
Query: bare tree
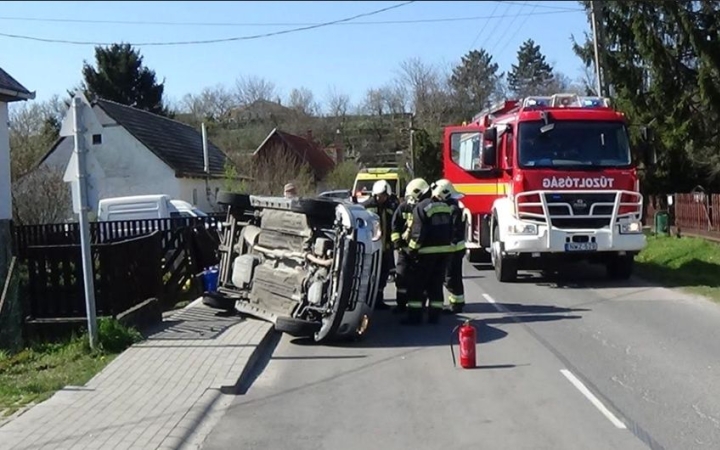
point(303, 101)
point(41, 197)
point(428, 90)
point(212, 103)
point(34, 127)
point(388, 99)
point(252, 88)
point(337, 103)
point(272, 170)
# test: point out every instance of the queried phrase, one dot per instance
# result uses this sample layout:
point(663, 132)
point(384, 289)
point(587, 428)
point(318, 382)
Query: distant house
point(138, 153)
point(303, 150)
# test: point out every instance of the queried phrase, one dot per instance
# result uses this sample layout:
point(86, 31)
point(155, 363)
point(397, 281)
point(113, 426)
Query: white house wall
point(195, 191)
point(129, 167)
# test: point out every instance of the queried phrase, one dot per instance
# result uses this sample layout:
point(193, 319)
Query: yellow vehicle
point(368, 176)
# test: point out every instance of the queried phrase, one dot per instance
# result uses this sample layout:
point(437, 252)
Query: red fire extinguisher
point(467, 341)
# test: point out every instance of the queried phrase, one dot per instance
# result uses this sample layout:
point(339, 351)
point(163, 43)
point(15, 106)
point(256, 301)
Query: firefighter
point(383, 203)
point(415, 191)
point(453, 274)
point(431, 236)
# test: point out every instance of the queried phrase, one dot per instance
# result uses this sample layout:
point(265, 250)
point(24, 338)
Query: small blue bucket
point(210, 279)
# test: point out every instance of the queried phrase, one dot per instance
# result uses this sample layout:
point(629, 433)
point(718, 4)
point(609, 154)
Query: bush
point(114, 337)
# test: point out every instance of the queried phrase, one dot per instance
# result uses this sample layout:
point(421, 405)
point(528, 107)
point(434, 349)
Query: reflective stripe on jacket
point(432, 228)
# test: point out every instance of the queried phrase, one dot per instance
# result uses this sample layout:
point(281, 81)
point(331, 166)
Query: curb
point(262, 350)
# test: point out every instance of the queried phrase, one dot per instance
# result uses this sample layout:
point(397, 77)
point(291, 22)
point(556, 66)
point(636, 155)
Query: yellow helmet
point(443, 189)
point(415, 189)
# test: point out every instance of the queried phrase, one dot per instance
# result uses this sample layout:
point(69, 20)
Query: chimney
point(206, 156)
point(339, 149)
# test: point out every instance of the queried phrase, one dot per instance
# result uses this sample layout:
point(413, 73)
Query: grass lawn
point(689, 263)
point(35, 373)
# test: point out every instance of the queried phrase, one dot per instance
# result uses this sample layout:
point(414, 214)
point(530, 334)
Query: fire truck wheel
point(505, 268)
point(620, 267)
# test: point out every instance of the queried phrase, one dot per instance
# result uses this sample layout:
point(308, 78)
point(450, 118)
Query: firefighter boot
point(414, 315)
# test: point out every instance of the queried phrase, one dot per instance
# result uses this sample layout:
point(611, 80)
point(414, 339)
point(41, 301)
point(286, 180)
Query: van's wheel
point(241, 201)
point(620, 267)
point(316, 207)
point(505, 268)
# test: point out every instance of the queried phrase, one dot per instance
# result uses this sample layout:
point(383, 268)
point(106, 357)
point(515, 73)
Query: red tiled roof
point(320, 162)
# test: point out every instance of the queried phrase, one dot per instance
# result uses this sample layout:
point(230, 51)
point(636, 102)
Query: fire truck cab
point(547, 180)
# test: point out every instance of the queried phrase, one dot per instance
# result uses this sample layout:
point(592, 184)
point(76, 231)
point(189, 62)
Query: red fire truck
point(547, 180)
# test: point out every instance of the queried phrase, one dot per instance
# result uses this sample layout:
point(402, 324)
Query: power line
point(541, 5)
point(519, 27)
point(214, 41)
point(509, 28)
point(276, 24)
point(490, 34)
point(482, 29)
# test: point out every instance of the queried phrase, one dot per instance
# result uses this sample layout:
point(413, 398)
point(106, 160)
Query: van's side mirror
point(489, 151)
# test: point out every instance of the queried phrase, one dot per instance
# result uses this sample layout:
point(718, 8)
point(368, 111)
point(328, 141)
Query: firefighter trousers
point(427, 274)
point(401, 278)
point(386, 263)
point(454, 280)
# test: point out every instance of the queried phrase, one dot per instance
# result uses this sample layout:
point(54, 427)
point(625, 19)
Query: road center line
point(594, 400)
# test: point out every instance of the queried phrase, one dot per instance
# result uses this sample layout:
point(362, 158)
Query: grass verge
point(35, 373)
point(689, 263)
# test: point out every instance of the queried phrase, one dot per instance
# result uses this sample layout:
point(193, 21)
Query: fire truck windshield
point(573, 144)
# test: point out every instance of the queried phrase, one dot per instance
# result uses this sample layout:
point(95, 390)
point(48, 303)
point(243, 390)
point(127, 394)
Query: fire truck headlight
point(523, 228)
point(633, 227)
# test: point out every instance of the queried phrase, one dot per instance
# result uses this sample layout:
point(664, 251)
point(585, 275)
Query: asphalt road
point(574, 364)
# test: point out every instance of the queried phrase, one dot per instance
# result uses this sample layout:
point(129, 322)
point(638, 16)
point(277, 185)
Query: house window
point(97, 139)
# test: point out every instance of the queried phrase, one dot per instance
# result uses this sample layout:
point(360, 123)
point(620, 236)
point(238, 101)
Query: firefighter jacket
point(432, 228)
point(401, 223)
point(385, 212)
point(459, 225)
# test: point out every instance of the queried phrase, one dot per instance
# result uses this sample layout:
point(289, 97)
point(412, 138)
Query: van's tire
point(316, 207)
point(218, 301)
point(234, 199)
point(296, 327)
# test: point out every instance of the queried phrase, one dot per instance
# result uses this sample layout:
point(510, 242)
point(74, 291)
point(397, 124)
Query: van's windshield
point(573, 144)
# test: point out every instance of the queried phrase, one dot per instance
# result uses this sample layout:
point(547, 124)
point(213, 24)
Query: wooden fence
point(133, 261)
point(126, 273)
point(697, 214)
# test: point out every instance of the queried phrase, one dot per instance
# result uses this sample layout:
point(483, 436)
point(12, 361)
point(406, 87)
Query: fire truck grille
point(589, 211)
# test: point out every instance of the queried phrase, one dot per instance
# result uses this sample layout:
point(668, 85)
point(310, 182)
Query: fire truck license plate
point(581, 246)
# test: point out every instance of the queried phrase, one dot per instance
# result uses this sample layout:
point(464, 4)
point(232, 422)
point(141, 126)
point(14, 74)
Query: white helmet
point(415, 189)
point(381, 187)
point(444, 190)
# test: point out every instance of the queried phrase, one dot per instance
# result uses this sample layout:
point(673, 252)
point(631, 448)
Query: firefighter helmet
point(444, 190)
point(416, 189)
point(381, 187)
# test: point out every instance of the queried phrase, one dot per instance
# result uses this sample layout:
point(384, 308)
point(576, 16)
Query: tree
point(428, 91)
point(532, 75)
point(337, 104)
point(428, 156)
point(120, 76)
point(342, 176)
point(302, 100)
point(212, 103)
point(667, 78)
point(475, 82)
point(39, 194)
point(252, 89)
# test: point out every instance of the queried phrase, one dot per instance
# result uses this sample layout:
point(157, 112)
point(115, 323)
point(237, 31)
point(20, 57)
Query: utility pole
point(412, 144)
point(596, 24)
point(82, 210)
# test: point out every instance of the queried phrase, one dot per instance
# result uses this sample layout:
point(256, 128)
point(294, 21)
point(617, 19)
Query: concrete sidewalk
point(165, 392)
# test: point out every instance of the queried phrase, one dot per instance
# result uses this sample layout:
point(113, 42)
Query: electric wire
point(509, 28)
point(213, 41)
point(519, 27)
point(482, 29)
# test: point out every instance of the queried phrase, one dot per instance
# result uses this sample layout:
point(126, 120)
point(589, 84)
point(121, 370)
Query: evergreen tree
point(121, 77)
point(475, 82)
point(532, 75)
point(668, 78)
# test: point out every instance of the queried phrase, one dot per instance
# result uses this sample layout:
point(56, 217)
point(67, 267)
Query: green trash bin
point(661, 222)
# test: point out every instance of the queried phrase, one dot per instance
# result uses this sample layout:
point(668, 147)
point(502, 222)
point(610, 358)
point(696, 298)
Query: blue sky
point(350, 57)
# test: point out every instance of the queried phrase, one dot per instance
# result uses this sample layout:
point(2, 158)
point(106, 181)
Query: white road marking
point(489, 299)
point(594, 400)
